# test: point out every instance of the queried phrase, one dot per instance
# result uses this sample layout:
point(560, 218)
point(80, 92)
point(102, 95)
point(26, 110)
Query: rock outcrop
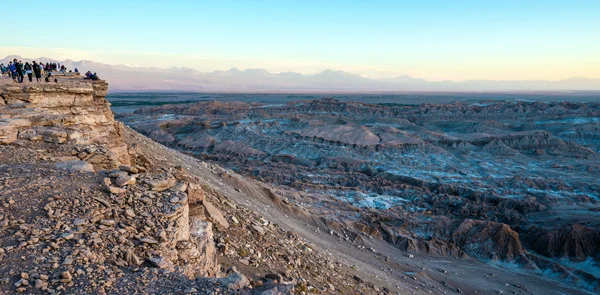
point(576, 241)
point(73, 111)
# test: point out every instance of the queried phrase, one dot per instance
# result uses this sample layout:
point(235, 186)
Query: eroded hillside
point(509, 183)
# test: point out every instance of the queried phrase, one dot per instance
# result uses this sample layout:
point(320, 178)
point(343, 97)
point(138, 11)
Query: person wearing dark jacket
point(37, 70)
point(29, 71)
point(19, 67)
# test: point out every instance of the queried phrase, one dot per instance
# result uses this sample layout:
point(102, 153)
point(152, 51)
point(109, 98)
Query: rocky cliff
point(83, 208)
point(73, 111)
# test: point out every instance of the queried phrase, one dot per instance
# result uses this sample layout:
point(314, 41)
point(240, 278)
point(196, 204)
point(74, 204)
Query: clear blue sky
point(432, 39)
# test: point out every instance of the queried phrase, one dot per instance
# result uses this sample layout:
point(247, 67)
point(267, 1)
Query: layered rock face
point(510, 181)
point(73, 111)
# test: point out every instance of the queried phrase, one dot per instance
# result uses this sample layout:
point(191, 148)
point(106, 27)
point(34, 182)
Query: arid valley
point(295, 194)
point(269, 147)
point(508, 187)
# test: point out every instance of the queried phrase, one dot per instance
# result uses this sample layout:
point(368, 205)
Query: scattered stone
point(79, 221)
point(161, 184)
point(123, 180)
point(244, 261)
point(22, 282)
point(131, 258)
point(130, 213)
point(40, 284)
point(149, 240)
point(258, 229)
point(116, 190)
point(66, 277)
point(76, 166)
point(107, 222)
point(215, 214)
point(129, 169)
point(161, 262)
point(235, 280)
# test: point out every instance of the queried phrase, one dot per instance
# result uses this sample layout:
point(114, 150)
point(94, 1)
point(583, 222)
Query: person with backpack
point(37, 69)
point(29, 71)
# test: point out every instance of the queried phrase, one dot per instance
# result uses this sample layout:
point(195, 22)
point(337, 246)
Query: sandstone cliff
point(73, 111)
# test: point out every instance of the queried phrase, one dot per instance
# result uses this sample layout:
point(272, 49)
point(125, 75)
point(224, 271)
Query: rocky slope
point(85, 210)
point(505, 182)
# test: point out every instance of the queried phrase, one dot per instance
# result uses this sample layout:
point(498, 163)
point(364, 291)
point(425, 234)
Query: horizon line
point(305, 75)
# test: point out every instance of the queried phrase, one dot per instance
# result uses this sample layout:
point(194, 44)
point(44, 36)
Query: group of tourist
point(17, 71)
point(91, 76)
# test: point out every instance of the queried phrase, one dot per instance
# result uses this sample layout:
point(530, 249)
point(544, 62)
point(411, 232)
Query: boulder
point(124, 179)
point(7, 133)
point(235, 280)
point(161, 262)
point(162, 183)
point(215, 214)
point(116, 190)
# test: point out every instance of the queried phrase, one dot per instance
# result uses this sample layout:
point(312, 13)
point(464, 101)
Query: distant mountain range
point(127, 78)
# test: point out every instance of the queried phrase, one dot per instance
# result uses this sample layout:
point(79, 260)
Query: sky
point(436, 40)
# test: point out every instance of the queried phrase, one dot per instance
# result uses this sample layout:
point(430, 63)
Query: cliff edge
point(73, 111)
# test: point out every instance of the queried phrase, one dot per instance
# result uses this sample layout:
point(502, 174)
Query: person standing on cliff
point(29, 71)
point(37, 69)
point(3, 70)
point(9, 71)
point(19, 66)
point(13, 71)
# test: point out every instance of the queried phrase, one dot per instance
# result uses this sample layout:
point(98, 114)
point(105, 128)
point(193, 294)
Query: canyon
point(513, 184)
